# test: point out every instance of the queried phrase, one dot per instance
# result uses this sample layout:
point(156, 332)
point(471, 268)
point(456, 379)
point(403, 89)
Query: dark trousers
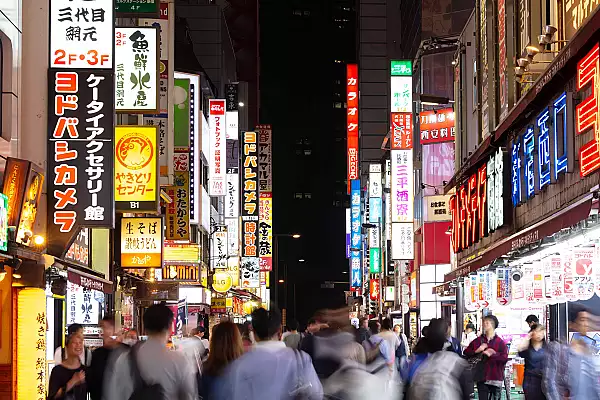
point(488, 392)
point(532, 386)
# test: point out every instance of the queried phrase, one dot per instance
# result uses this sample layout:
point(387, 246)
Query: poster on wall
point(583, 273)
point(250, 272)
point(504, 287)
point(82, 305)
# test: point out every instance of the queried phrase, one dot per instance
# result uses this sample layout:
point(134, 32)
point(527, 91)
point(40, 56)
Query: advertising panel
point(178, 211)
point(265, 158)
point(160, 121)
point(402, 131)
point(219, 247)
point(401, 94)
point(81, 34)
point(437, 208)
point(355, 236)
point(141, 242)
point(232, 198)
point(80, 154)
point(218, 153)
point(438, 166)
point(181, 114)
point(231, 111)
point(403, 190)
point(137, 8)
point(249, 191)
point(136, 69)
point(265, 229)
point(374, 290)
point(79, 251)
point(233, 240)
point(250, 272)
point(82, 305)
point(136, 168)
point(352, 120)
point(403, 241)
point(437, 126)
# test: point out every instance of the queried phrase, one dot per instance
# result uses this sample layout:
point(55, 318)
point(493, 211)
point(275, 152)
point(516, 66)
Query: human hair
point(266, 323)
point(436, 335)
point(493, 319)
point(110, 319)
point(225, 347)
point(532, 319)
point(470, 326)
point(72, 336)
point(74, 328)
point(374, 326)
point(293, 325)
point(158, 318)
point(425, 330)
point(312, 321)
point(574, 311)
point(386, 324)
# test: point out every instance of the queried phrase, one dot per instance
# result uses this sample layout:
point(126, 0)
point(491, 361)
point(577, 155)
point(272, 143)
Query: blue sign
point(355, 234)
point(561, 140)
point(515, 157)
point(543, 149)
point(375, 210)
point(528, 150)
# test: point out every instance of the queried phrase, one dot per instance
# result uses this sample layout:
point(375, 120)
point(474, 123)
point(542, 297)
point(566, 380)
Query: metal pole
point(275, 281)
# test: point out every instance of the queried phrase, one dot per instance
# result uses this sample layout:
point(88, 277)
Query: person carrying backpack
point(149, 371)
point(443, 374)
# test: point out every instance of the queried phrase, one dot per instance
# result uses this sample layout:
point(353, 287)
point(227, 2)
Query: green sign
point(143, 8)
point(3, 222)
point(181, 114)
point(401, 68)
point(374, 260)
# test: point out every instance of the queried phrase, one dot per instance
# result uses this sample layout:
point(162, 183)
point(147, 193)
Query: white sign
point(390, 293)
point(374, 238)
point(232, 198)
point(82, 306)
point(136, 69)
point(220, 247)
point(388, 173)
point(403, 241)
point(81, 34)
point(437, 208)
point(402, 191)
point(375, 189)
point(232, 125)
point(161, 122)
point(495, 191)
point(250, 272)
point(233, 238)
point(401, 93)
point(218, 148)
point(163, 26)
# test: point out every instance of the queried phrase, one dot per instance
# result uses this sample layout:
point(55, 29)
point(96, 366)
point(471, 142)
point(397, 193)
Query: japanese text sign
point(178, 211)
point(232, 199)
point(81, 34)
point(136, 69)
point(352, 120)
point(355, 234)
point(402, 131)
point(231, 111)
point(79, 251)
point(402, 191)
point(160, 121)
point(403, 241)
point(219, 247)
point(265, 229)
point(250, 272)
point(233, 236)
point(82, 306)
point(137, 7)
point(437, 126)
point(250, 175)
point(401, 68)
point(217, 157)
point(265, 162)
point(136, 168)
point(374, 290)
point(80, 154)
point(586, 113)
point(401, 93)
point(141, 242)
point(437, 208)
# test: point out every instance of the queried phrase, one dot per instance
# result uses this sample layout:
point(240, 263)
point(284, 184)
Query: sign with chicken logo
point(136, 168)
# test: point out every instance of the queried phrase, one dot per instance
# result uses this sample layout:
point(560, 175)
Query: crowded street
point(299, 199)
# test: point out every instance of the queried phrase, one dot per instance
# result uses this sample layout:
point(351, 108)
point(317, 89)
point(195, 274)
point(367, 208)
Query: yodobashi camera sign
point(217, 164)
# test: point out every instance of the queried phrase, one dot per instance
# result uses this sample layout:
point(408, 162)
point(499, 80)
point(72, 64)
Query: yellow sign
point(222, 282)
point(218, 305)
point(229, 302)
point(182, 252)
point(178, 212)
point(233, 269)
point(180, 273)
point(31, 344)
point(141, 242)
point(136, 168)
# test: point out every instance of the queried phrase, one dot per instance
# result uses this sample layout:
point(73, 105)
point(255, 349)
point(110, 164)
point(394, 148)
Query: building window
point(337, 104)
point(298, 195)
point(308, 195)
point(307, 152)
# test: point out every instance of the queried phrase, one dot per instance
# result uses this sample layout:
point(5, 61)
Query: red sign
point(437, 126)
point(586, 112)
point(374, 291)
point(352, 121)
point(468, 208)
point(402, 131)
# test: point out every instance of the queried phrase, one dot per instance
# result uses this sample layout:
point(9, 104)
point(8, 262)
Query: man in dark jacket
point(363, 332)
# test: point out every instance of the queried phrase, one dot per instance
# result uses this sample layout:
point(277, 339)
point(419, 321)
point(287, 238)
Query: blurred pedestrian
point(468, 336)
point(443, 374)
point(292, 340)
point(201, 345)
point(67, 380)
point(150, 370)
point(452, 343)
point(103, 359)
point(402, 352)
point(246, 338)
point(533, 351)
point(60, 353)
point(532, 320)
point(226, 347)
point(572, 370)
point(363, 330)
point(131, 338)
point(392, 340)
point(492, 354)
point(270, 370)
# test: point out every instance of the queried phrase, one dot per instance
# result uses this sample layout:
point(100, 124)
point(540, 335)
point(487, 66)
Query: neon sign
point(528, 149)
point(586, 113)
point(352, 120)
point(543, 148)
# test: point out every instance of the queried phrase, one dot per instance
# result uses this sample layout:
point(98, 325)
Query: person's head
point(74, 328)
point(470, 328)
point(364, 323)
point(437, 334)
point(74, 345)
point(158, 319)
point(374, 327)
point(131, 337)
point(225, 347)
point(490, 324)
point(198, 332)
point(293, 325)
point(538, 333)
point(581, 319)
point(425, 331)
point(313, 325)
point(386, 324)
point(108, 328)
point(397, 329)
point(266, 324)
point(532, 320)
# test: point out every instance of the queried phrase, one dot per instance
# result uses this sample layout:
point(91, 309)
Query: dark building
point(304, 47)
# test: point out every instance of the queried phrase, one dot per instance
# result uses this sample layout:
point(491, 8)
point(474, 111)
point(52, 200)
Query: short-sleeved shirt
point(292, 340)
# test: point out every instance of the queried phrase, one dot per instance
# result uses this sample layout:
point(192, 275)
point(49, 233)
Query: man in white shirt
point(387, 334)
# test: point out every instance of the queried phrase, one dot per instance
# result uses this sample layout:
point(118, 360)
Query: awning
point(89, 281)
point(564, 218)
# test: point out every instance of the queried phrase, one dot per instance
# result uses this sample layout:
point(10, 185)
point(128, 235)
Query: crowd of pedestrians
point(331, 359)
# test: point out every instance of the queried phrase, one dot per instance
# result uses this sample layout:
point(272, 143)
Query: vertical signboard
point(141, 242)
point(231, 111)
point(181, 114)
point(483, 68)
point(232, 198)
point(355, 236)
point(219, 247)
point(250, 267)
point(216, 121)
point(375, 193)
point(136, 168)
point(178, 211)
point(502, 60)
point(80, 154)
point(81, 34)
point(352, 120)
point(402, 191)
point(136, 69)
point(402, 131)
point(401, 93)
point(265, 158)
point(160, 122)
point(265, 229)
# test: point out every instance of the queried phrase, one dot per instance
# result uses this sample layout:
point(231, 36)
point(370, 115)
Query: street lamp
point(275, 276)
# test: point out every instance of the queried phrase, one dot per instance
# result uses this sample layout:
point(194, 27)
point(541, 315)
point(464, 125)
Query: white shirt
point(467, 339)
point(392, 340)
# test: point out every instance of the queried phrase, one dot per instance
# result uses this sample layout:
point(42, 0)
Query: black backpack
point(143, 390)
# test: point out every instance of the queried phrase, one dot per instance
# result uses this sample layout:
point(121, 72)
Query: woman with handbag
point(533, 350)
point(67, 380)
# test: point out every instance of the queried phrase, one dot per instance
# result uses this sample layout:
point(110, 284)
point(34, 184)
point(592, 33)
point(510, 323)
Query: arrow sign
point(502, 301)
point(484, 304)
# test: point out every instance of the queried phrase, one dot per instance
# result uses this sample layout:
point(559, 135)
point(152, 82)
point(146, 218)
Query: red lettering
point(586, 113)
